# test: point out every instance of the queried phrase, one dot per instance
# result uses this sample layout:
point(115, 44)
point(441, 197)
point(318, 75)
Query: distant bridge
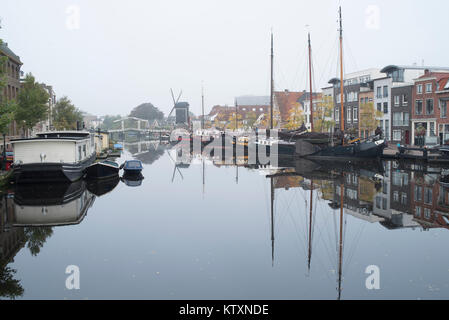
point(143, 126)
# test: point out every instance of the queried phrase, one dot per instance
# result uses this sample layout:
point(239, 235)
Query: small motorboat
point(132, 167)
point(118, 146)
point(132, 180)
point(102, 170)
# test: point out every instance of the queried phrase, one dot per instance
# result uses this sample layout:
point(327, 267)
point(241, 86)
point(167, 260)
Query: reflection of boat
point(102, 170)
point(59, 156)
point(103, 186)
point(132, 180)
point(132, 167)
point(51, 204)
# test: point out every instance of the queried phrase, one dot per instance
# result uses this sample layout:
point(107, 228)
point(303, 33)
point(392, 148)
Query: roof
point(392, 68)
point(9, 53)
point(253, 100)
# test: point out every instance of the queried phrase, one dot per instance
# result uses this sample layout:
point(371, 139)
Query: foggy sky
point(128, 52)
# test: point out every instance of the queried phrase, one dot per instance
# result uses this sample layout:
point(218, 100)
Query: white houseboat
point(57, 156)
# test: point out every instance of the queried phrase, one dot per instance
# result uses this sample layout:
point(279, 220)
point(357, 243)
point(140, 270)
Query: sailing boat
point(370, 148)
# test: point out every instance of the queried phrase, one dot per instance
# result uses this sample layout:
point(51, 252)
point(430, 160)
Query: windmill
point(182, 110)
point(175, 102)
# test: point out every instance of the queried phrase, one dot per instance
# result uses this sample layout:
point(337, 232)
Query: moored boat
point(102, 170)
point(57, 156)
point(132, 167)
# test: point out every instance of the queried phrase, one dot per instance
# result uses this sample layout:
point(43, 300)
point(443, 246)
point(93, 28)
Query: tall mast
point(236, 115)
point(272, 220)
point(342, 108)
point(311, 88)
point(272, 85)
point(202, 107)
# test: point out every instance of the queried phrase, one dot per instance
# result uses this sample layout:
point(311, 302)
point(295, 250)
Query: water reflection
point(51, 205)
point(323, 208)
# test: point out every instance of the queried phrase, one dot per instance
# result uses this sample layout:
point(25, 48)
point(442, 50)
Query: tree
point(251, 118)
point(231, 122)
point(368, 118)
point(7, 108)
point(108, 122)
point(295, 117)
point(32, 103)
point(148, 112)
point(66, 115)
point(322, 115)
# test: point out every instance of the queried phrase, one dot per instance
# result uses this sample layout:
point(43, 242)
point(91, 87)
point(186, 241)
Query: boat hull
point(50, 172)
point(361, 151)
point(101, 171)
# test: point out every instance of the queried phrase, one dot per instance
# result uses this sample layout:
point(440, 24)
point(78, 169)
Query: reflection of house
point(430, 201)
point(11, 239)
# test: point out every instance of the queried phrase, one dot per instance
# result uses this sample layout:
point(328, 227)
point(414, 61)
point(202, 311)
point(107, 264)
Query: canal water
point(198, 229)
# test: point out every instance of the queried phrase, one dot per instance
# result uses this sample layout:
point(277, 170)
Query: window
point(428, 87)
point(404, 198)
point(427, 213)
point(385, 91)
point(396, 196)
point(355, 114)
point(397, 135)
point(337, 116)
point(385, 107)
point(84, 151)
point(387, 129)
point(379, 92)
point(396, 100)
point(429, 106)
point(418, 107)
point(349, 115)
point(79, 153)
point(418, 193)
point(432, 129)
point(418, 212)
point(404, 99)
point(419, 89)
point(428, 192)
point(379, 107)
point(443, 109)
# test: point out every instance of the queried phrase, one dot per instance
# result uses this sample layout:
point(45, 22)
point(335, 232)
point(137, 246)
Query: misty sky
point(119, 54)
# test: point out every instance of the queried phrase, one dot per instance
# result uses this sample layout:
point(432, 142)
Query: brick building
point(429, 110)
point(13, 73)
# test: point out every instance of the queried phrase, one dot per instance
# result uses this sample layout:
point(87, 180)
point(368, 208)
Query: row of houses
point(12, 87)
point(406, 102)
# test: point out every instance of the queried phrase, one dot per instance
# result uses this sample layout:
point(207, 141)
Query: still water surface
point(199, 230)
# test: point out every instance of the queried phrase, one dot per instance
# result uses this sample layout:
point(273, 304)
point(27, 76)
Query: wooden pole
point(272, 85)
point(311, 87)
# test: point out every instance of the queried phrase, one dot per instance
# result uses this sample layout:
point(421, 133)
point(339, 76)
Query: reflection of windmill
point(183, 164)
point(182, 110)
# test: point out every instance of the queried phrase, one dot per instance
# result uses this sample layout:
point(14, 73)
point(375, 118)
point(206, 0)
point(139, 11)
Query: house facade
point(353, 83)
point(429, 115)
point(12, 87)
point(401, 102)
